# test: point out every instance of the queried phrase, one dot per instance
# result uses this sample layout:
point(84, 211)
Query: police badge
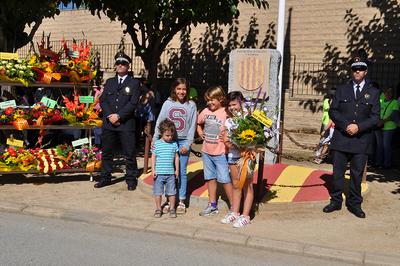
point(367, 96)
point(127, 90)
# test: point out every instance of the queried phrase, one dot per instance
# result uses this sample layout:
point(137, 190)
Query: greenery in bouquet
point(251, 127)
point(17, 159)
point(84, 156)
point(75, 64)
point(43, 115)
point(16, 70)
point(18, 117)
point(7, 115)
point(80, 61)
point(77, 113)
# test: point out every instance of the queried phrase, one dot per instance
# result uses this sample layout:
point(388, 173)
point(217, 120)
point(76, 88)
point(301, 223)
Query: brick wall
point(311, 24)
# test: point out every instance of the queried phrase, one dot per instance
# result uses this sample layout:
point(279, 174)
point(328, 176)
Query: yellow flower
point(71, 64)
point(248, 134)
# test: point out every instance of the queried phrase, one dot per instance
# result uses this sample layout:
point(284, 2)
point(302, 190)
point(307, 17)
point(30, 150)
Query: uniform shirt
point(123, 79)
point(355, 87)
point(165, 156)
point(214, 123)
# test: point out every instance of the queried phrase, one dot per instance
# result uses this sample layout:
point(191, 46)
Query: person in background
point(389, 116)
point(325, 110)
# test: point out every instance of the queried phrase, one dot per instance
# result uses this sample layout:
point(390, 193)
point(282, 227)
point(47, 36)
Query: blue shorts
point(216, 167)
point(166, 182)
point(232, 160)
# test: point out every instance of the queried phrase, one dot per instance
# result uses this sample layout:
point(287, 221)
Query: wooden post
point(260, 178)
point(147, 147)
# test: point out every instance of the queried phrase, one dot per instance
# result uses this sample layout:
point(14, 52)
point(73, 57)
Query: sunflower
point(71, 64)
point(248, 135)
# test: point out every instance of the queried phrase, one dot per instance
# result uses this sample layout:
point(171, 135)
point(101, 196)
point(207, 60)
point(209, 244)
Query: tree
point(153, 23)
point(15, 15)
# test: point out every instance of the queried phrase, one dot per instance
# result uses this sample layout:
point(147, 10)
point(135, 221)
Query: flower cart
point(69, 69)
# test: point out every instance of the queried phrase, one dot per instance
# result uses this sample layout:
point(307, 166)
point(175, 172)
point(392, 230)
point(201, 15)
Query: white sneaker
point(181, 209)
point(229, 218)
point(241, 221)
point(165, 207)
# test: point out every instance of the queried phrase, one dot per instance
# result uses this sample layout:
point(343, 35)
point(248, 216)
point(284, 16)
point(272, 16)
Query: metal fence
point(302, 79)
point(310, 79)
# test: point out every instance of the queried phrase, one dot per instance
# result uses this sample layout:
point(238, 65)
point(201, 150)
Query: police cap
point(358, 63)
point(122, 57)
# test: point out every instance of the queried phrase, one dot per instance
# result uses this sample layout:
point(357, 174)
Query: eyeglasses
point(120, 62)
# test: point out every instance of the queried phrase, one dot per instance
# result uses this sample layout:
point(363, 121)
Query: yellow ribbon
point(92, 166)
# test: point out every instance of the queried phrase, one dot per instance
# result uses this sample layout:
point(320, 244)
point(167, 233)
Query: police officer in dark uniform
point(118, 102)
point(355, 111)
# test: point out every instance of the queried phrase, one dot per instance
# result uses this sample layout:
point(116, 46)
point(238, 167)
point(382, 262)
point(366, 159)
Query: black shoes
point(102, 183)
point(331, 207)
point(357, 211)
point(132, 186)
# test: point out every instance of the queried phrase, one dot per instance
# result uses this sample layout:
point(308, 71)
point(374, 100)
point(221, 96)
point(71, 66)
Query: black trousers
point(357, 164)
point(110, 141)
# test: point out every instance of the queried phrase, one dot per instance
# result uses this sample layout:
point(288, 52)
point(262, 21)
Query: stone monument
point(252, 69)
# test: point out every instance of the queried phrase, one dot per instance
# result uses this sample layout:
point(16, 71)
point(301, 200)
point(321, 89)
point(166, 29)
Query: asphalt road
point(29, 240)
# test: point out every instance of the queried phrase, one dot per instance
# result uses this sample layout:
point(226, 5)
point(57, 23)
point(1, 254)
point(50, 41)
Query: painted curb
point(358, 257)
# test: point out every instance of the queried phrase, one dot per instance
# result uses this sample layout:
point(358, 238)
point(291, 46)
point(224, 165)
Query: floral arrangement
point(16, 70)
point(251, 130)
point(50, 160)
point(77, 113)
point(20, 158)
point(75, 64)
point(86, 158)
point(80, 61)
point(37, 115)
point(43, 115)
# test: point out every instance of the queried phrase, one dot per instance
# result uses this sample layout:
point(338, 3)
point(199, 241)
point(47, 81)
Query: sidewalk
point(294, 227)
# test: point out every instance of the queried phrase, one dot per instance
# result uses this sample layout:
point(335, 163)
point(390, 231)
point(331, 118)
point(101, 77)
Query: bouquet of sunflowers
point(75, 64)
point(251, 130)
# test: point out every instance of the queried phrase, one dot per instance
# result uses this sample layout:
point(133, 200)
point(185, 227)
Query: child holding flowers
point(210, 125)
point(234, 100)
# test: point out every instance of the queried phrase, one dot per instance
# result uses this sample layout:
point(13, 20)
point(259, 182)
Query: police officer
point(355, 112)
point(118, 103)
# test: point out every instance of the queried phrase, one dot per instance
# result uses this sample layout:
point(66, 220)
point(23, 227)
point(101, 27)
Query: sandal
point(172, 213)
point(157, 213)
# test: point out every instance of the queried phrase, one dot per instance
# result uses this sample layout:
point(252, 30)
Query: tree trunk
point(151, 59)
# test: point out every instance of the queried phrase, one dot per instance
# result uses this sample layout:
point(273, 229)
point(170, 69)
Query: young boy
point(165, 167)
point(210, 126)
